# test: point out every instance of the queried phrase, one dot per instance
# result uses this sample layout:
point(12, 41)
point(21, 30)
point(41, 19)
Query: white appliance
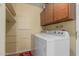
point(51, 43)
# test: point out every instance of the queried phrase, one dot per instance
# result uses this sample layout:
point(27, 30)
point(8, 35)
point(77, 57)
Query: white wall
point(2, 29)
point(27, 23)
point(77, 29)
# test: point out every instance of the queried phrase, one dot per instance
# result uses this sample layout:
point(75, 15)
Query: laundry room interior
point(28, 28)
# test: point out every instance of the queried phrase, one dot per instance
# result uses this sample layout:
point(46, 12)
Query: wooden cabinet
point(72, 11)
point(58, 12)
point(43, 17)
point(49, 13)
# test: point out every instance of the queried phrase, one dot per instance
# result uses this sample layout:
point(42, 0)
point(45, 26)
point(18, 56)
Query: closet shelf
point(9, 16)
point(11, 9)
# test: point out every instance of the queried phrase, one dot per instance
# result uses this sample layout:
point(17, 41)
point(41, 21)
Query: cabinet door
point(42, 17)
point(72, 11)
point(49, 13)
point(60, 11)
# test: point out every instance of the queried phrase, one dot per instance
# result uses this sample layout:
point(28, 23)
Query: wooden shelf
point(9, 16)
point(11, 9)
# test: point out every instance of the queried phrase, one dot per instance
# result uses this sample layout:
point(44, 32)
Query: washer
point(51, 43)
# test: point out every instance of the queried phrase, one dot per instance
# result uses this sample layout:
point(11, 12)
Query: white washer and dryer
point(51, 43)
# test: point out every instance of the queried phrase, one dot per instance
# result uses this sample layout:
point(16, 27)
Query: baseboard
point(23, 51)
point(7, 54)
point(17, 52)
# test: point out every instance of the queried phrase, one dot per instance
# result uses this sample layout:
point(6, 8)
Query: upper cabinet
point(58, 12)
point(42, 15)
point(49, 13)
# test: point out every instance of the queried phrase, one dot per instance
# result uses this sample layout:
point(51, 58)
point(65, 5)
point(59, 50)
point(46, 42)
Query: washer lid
point(49, 37)
point(57, 32)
